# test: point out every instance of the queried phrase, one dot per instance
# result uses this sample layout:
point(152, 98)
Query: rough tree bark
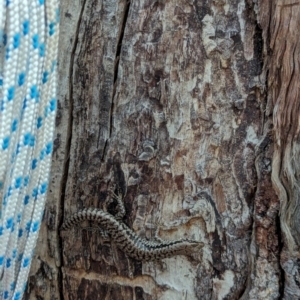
point(190, 108)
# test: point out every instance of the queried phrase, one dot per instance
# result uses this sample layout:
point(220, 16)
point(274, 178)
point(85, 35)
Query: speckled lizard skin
point(127, 240)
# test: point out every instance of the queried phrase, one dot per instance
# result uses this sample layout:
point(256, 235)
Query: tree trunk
point(190, 110)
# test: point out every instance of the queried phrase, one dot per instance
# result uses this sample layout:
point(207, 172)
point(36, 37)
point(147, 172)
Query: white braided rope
point(28, 51)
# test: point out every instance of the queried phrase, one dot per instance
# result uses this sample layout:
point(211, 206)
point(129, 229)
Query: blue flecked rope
point(28, 51)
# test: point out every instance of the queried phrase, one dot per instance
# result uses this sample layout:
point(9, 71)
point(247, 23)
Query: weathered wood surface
point(281, 30)
point(175, 112)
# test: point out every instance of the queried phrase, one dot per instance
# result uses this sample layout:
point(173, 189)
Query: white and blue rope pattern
point(28, 52)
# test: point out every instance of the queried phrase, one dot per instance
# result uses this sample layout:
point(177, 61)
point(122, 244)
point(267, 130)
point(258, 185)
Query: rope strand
point(28, 53)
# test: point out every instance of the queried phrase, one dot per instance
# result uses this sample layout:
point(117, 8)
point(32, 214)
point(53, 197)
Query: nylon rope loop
point(29, 32)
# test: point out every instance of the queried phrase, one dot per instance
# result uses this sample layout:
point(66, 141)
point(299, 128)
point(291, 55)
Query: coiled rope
point(28, 52)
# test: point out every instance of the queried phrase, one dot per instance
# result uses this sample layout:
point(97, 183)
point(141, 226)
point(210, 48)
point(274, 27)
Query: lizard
point(126, 239)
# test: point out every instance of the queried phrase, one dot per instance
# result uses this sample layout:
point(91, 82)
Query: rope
point(28, 51)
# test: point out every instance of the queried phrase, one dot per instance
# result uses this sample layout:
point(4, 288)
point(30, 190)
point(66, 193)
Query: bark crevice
point(117, 61)
point(68, 148)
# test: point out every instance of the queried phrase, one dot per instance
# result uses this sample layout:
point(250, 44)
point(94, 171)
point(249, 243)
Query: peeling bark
point(184, 107)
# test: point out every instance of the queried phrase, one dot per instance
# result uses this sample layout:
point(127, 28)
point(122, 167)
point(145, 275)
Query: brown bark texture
point(190, 109)
point(280, 22)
